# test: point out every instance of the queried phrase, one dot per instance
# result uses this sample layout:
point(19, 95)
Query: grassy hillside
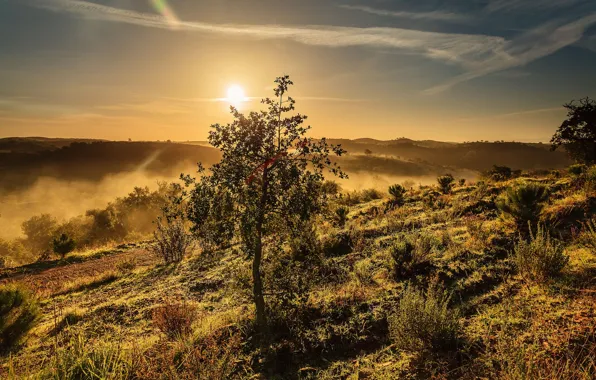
point(433, 288)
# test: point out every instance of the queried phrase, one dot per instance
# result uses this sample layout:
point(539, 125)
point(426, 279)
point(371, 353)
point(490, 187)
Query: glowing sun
point(236, 95)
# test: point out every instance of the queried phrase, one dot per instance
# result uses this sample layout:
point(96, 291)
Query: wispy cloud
point(478, 54)
point(434, 16)
point(520, 51)
point(519, 5)
point(515, 114)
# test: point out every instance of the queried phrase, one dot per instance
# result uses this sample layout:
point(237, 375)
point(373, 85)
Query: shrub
point(331, 188)
point(174, 319)
point(577, 169)
point(462, 182)
point(63, 245)
point(172, 242)
point(397, 193)
point(446, 183)
point(363, 271)
point(337, 244)
point(341, 216)
point(412, 253)
point(423, 321)
point(18, 313)
point(541, 257)
point(500, 173)
point(524, 202)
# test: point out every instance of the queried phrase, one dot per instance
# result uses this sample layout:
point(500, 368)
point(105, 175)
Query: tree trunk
point(258, 253)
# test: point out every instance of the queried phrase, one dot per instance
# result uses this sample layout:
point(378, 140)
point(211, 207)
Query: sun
point(236, 95)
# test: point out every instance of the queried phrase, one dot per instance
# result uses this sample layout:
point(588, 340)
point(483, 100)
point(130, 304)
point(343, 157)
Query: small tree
point(63, 245)
point(446, 183)
point(577, 134)
point(368, 152)
point(271, 172)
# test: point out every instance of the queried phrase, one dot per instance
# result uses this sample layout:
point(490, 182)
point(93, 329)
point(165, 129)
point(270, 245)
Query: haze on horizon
point(155, 69)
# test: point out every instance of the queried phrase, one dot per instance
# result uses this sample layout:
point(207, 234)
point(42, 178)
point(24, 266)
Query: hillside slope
point(334, 313)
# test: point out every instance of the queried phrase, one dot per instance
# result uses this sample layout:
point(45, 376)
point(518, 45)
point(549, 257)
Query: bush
point(341, 216)
point(541, 257)
point(524, 203)
point(172, 242)
point(446, 183)
point(500, 173)
point(337, 244)
point(412, 253)
point(423, 321)
point(577, 169)
point(363, 271)
point(63, 245)
point(18, 313)
point(174, 319)
point(397, 193)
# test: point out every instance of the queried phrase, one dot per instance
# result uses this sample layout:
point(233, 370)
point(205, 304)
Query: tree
point(577, 134)
point(63, 245)
point(39, 231)
point(368, 152)
point(270, 175)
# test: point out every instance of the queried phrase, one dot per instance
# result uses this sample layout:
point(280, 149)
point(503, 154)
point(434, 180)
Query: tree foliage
point(577, 134)
point(270, 176)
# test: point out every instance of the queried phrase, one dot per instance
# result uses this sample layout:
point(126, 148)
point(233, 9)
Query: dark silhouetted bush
point(341, 216)
point(577, 169)
point(446, 183)
point(63, 245)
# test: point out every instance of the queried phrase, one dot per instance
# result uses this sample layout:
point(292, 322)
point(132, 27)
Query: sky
point(457, 70)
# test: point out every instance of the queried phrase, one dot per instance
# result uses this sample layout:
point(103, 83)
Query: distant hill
point(94, 160)
point(477, 156)
point(23, 160)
